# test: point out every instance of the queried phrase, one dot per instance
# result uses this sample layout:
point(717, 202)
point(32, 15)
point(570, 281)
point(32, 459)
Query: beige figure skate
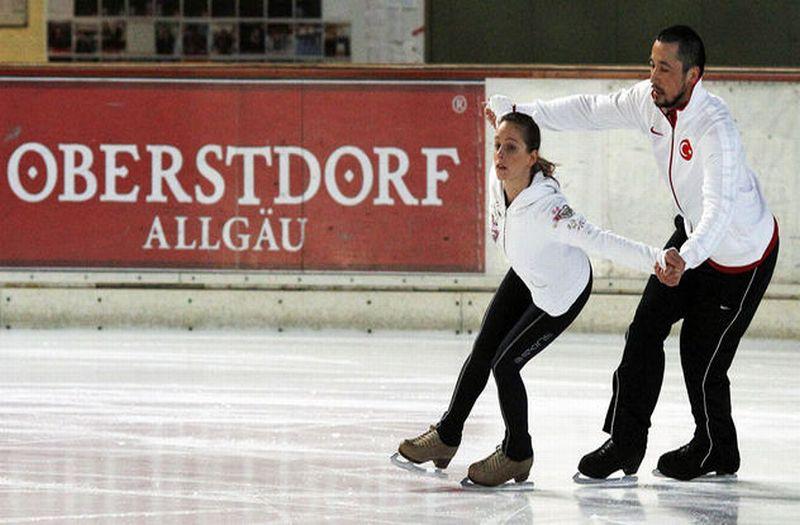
point(492, 473)
point(421, 449)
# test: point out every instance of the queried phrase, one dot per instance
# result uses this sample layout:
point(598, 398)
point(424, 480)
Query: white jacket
point(702, 162)
point(544, 241)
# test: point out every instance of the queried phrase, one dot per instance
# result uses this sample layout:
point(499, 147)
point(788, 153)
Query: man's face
point(671, 87)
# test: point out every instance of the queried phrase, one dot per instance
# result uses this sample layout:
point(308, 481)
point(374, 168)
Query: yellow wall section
point(26, 44)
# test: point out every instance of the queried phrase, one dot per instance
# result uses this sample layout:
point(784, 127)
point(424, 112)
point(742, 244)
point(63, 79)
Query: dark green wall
point(736, 33)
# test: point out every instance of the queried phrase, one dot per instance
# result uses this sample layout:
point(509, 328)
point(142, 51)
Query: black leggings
point(513, 331)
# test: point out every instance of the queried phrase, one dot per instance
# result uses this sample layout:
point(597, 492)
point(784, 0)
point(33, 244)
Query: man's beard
point(671, 104)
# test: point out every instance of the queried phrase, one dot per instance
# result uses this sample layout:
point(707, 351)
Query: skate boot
point(499, 468)
point(693, 461)
point(598, 465)
point(428, 447)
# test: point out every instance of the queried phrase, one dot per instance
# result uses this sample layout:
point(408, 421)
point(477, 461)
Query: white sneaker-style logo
point(723, 307)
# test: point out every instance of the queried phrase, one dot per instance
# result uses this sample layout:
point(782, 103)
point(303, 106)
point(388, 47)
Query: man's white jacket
point(545, 242)
point(701, 160)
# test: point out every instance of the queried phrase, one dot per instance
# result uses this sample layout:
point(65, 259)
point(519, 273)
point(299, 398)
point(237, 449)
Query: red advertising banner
point(300, 175)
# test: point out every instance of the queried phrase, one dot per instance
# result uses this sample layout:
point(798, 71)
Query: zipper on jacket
point(671, 155)
point(505, 226)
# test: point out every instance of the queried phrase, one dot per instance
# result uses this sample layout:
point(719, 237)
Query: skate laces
point(692, 447)
point(428, 439)
point(495, 461)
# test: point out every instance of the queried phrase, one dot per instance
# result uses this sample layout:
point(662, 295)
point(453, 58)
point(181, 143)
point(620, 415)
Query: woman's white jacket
point(546, 241)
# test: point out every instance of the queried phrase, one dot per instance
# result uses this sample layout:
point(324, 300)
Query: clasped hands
point(671, 273)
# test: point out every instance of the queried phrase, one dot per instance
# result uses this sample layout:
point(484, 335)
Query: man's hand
point(671, 275)
point(490, 116)
point(497, 106)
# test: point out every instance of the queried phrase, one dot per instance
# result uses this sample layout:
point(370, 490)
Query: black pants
point(716, 309)
point(513, 331)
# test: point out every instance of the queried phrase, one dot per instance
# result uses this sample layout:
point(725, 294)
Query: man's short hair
point(691, 50)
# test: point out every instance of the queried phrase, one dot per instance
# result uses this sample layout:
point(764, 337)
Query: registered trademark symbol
point(459, 103)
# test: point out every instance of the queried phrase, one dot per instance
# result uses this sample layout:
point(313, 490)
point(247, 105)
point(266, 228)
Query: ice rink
point(246, 427)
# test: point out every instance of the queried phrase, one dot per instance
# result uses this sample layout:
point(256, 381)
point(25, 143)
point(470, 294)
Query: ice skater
point(545, 289)
point(728, 245)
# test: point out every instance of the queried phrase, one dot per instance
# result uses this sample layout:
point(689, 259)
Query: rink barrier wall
point(370, 301)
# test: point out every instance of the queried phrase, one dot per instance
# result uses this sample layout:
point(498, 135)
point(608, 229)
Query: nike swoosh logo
point(723, 307)
point(654, 132)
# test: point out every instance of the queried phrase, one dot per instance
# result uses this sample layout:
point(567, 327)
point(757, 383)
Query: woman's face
point(511, 158)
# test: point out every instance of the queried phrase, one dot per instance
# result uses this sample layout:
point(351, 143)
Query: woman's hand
point(675, 266)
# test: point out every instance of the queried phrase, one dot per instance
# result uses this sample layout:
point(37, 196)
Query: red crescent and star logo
point(686, 149)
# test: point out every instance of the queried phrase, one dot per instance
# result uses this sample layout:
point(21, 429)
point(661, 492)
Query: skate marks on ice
point(159, 427)
point(686, 502)
point(625, 481)
point(524, 486)
point(610, 506)
point(705, 478)
point(705, 502)
point(401, 462)
point(465, 484)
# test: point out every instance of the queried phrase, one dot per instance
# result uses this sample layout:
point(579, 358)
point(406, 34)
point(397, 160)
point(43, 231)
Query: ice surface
point(246, 427)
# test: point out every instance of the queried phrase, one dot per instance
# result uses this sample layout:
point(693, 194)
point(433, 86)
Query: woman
point(544, 291)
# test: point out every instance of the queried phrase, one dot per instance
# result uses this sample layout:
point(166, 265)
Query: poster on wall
point(13, 13)
point(305, 175)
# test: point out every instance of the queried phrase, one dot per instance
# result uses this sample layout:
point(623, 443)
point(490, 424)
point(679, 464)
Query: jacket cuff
point(690, 256)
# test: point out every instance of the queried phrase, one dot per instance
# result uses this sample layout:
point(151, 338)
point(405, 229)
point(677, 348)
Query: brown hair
point(533, 138)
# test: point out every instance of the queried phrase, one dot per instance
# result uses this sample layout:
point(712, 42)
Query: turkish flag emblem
point(686, 149)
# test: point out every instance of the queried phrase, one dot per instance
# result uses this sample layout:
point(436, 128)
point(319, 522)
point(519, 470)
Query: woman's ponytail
point(545, 166)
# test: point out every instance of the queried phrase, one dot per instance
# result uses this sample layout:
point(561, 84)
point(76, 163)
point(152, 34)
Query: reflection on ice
point(231, 427)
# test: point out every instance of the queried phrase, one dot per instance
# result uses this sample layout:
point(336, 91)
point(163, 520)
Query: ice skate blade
point(525, 486)
point(623, 481)
point(399, 461)
point(705, 478)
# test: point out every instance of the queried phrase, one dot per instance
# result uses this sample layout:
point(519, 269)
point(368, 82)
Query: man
point(726, 246)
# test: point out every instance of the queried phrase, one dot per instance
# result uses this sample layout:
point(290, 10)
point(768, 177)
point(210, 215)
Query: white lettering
point(284, 176)
point(266, 234)
point(395, 178)
point(210, 174)
point(434, 175)
point(51, 172)
point(298, 177)
point(159, 174)
point(181, 244)
point(285, 241)
point(156, 234)
point(244, 238)
point(113, 172)
point(248, 174)
point(72, 169)
point(205, 235)
point(330, 175)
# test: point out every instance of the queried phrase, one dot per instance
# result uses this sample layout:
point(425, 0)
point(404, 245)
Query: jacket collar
point(696, 98)
point(539, 187)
